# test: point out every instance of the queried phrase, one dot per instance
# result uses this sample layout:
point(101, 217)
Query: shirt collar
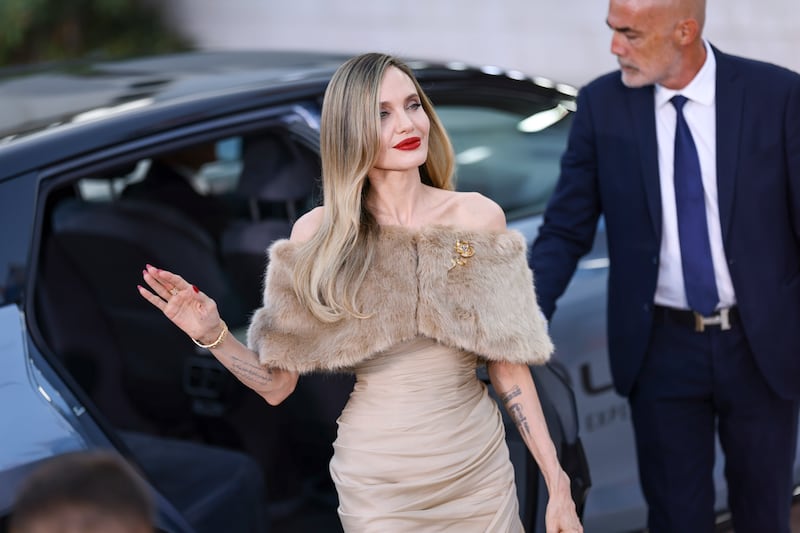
point(702, 87)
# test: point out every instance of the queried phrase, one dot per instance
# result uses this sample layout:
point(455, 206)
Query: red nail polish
point(195, 288)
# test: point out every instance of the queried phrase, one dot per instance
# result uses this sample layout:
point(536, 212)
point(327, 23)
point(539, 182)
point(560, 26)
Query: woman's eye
point(414, 105)
point(384, 114)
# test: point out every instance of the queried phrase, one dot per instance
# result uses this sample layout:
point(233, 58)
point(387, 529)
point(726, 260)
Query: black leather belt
point(723, 318)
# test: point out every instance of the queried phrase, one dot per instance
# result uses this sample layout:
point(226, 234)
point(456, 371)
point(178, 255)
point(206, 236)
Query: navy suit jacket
point(610, 168)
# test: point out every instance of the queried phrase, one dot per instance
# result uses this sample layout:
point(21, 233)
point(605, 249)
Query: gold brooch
point(464, 251)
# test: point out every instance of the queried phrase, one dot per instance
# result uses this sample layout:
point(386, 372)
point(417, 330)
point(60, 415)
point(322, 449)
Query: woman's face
point(404, 124)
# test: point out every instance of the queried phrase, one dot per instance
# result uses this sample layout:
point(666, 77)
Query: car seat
point(277, 180)
point(107, 244)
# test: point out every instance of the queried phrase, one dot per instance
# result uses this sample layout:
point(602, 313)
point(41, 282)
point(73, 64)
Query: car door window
point(512, 158)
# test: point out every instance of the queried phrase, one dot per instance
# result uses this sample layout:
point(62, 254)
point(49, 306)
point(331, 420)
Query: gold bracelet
point(216, 342)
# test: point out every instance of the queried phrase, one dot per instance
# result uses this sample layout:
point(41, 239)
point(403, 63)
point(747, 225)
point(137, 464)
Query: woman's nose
point(404, 122)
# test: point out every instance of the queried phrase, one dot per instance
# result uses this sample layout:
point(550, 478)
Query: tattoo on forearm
point(251, 372)
point(516, 412)
point(510, 395)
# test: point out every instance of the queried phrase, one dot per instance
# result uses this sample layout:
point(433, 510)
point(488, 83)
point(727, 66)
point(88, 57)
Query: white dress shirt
point(700, 114)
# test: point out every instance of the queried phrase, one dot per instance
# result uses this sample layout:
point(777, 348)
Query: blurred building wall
point(566, 40)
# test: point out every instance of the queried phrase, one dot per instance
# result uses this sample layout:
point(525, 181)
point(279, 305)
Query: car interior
point(145, 376)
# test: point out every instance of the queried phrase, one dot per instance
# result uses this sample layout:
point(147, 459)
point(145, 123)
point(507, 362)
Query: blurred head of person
point(86, 492)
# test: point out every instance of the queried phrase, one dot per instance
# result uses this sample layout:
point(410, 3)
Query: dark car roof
point(97, 104)
point(39, 98)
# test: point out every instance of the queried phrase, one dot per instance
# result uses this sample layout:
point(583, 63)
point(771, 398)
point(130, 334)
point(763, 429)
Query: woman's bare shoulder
point(475, 211)
point(307, 225)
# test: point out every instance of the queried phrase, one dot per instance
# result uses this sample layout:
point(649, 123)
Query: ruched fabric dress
point(420, 445)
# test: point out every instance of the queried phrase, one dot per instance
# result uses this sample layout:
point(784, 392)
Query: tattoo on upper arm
point(252, 372)
point(516, 411)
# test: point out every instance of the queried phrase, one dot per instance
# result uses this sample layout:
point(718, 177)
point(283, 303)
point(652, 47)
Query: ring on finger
point(173, 291)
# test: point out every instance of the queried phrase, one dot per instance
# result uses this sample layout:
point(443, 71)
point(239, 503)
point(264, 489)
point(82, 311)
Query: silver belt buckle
point(721, 319)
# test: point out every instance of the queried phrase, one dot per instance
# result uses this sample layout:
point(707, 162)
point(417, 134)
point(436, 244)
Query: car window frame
point(51, 179)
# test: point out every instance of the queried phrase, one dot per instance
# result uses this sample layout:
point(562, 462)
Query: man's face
point(644, 41)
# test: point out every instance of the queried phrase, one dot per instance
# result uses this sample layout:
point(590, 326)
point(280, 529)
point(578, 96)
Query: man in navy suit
point(692, 156)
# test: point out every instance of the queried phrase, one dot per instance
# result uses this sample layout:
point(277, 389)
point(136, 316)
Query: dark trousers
point(691, 385)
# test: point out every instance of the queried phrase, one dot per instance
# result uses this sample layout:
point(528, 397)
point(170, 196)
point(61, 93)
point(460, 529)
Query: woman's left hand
point(561, 516)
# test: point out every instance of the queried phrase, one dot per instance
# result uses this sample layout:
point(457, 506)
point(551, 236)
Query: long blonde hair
point(332, 265)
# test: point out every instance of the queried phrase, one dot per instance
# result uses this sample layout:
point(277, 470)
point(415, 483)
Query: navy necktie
point(698, 268)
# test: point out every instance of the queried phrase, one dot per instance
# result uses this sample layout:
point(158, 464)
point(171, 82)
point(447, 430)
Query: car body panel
point(41, 419)
point(42, 422)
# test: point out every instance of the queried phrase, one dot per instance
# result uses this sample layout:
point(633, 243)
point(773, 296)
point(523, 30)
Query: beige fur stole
point(417, 286)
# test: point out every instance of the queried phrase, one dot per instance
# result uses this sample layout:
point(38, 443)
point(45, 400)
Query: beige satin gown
point(421, 447)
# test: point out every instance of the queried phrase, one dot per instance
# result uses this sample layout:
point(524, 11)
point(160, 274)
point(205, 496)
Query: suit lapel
point(730, 103)
point(642, 109)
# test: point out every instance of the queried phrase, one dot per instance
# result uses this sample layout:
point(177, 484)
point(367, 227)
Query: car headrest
point(274, 169)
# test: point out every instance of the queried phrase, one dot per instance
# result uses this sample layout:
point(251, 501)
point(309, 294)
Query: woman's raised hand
point(196, 314)
point(184, 304)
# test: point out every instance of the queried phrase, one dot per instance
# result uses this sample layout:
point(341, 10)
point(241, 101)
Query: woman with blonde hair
point(410, 285)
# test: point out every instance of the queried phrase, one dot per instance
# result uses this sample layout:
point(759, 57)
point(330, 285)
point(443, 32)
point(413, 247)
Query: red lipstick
point(412, 143)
